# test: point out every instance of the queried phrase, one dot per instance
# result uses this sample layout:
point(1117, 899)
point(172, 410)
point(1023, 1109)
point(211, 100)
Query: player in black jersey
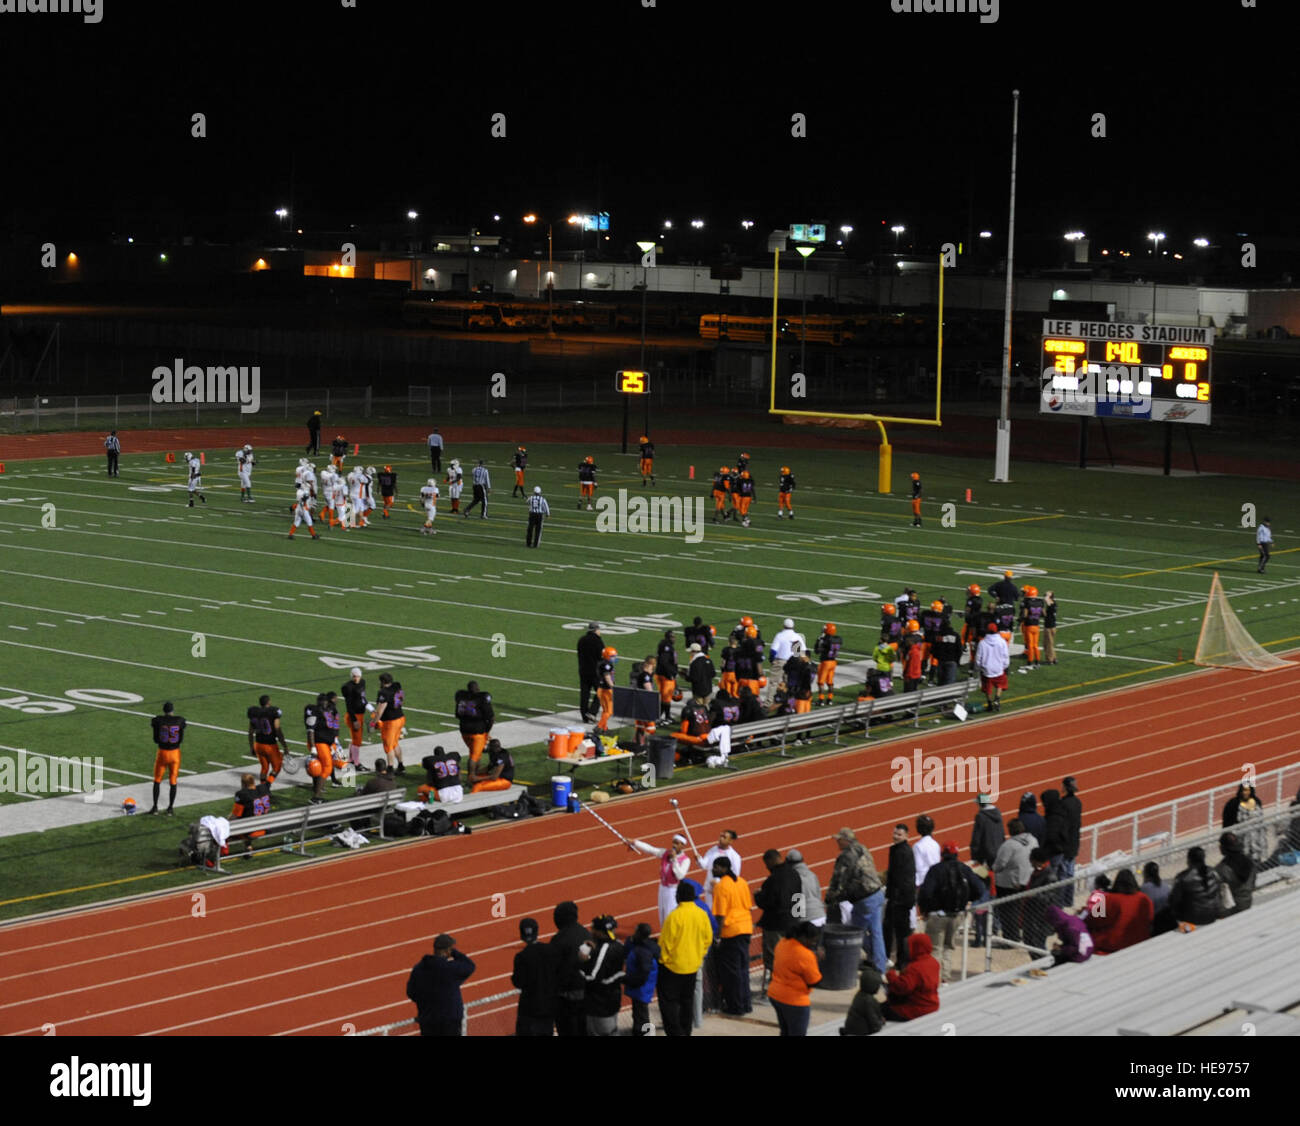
point(390, 719)
point(266, 739)
point(168, 733)
point(388, 487)
point(356, 705)
point(520, 464)
point(252, 799)
point(647, 460)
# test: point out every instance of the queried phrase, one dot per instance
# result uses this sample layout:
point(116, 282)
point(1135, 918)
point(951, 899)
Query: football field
point(118, 597)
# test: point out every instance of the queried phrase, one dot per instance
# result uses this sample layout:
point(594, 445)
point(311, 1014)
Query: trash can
point(842, 956)
point(660, 751)
point(561, 787)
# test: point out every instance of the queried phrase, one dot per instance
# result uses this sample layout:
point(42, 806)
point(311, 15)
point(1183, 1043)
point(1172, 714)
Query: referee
point(435, 450)
point(482, 487)
point(1263, 540)
point(538, 510)
point(112, 447)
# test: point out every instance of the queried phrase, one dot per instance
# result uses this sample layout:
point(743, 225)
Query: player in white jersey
point(196, 478)
point(302, 513)
point(368, 477)
point(354, 498)
point(327, 493)
point(244, 462)
point(429, 498)
point(339, 496)
point(455, 483)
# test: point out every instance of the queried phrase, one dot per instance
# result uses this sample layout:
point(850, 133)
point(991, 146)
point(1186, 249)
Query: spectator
point(534, 977)
point(570, 985)
point(1123, 917)
point(641, 972)
point(700, 672)
point(915, 991)
point(1072, 810)
point(686, 937)
point(725, 847)
point(794, 973)
point(1246, 806)
point(434, 986)
point(810, 889)
point(1195, 896)
point(733, 907)
point(900, 896)
point(1011, 872)
point(1035, 912)
point(865, 1017)
point(381, 782)
point(776, 899)
point(854, 880)
point(1237, 871)
point(602, 968)
point(1076, 942)
point(1244, 799)
point(1031, 818)
point(1049, 628)
point(1158, 893)
point(590, 647)
point(1290, 840)
point(1057, 837)
point(925, 853)
point(706, 981)
point(949, 887)
point(985, 839)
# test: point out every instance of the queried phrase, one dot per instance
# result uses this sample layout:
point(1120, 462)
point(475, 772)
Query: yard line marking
point(126, 615)
point(182, 609)
point(47, 625)
point(23, 628)
point(261, 601)
point(160, 613)
point(111, 708)
point(306, 595)
point(283, 598)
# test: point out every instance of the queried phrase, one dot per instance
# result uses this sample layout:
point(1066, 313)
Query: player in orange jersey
point(647, 460)
point(784, 489)
point(721, 487)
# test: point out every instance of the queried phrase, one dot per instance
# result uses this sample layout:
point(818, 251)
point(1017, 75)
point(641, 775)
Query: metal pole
point(1002, 456)
point(803, 319)
point(550, 283)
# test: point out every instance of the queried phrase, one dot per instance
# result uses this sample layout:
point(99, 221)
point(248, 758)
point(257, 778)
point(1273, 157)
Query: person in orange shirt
point(647, 460)
point(721, 487)
point(794, 973)
point(605, 686)
point(733, 906)
point(916, 500)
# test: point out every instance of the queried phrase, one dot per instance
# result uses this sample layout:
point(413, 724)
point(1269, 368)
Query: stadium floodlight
point(412, 214)
point(697, 223)
point(1073, 236)
point(1201, 242)
point(986, 234)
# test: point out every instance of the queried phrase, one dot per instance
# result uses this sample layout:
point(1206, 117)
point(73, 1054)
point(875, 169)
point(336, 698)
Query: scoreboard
point(1101, 369)
point(632, 382)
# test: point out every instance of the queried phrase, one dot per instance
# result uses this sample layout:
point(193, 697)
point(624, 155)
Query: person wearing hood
point(1011, 872)
point(1124, 916)
point(641, 972)
point(602, 968)
point(1195, 896)
point(865, 1016)
point(986, 838)
point(571, 986)
point(687, 935)
point(915, 991)
point(434, 986)
point(1056, 834)
point(1072, 810)
point(810, 889)
point(1237, 871)
point(1031, 818)
point(1076, 942)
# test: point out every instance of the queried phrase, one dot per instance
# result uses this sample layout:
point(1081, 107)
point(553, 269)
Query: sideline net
point(1224, 642)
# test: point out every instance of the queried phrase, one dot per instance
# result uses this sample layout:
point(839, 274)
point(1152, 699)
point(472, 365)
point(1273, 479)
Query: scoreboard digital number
point(632, 382)
point(1160, 373)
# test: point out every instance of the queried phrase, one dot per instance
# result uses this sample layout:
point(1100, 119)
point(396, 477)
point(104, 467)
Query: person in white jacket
point(991, 660)
point(674, 863)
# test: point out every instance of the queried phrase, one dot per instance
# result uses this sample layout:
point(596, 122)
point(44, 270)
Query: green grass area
point(101, 611)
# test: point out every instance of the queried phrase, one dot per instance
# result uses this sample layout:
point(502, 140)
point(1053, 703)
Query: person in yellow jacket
point(683, 943)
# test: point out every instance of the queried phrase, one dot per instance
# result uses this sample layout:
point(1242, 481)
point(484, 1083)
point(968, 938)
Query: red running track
point(320, 946)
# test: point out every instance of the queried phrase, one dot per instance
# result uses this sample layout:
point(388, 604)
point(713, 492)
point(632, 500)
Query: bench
point(310, 816)
point(476, 803)
point(926, 698)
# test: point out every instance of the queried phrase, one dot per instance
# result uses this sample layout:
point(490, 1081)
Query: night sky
point(356, 115)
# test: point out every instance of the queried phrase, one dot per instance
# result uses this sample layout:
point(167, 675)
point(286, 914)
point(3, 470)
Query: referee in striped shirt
point(538, 510)
point(482, 487)
point(112, 447)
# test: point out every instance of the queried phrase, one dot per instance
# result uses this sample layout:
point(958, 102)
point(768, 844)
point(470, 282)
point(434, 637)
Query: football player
point(1032, 611)
point(429, 498)
point(784, 489)
point(827, 649)
point(264, 733)
point(721, 487)
point(586, 482)
point(455, 483)
point(338, 451)
point(916, 500)
point(388, 488)
point(367, 490)
point(354, 698)
point(195, 467)
point(355, 502)
point(302, 513)
point(390, 719)
point(520, 463)
point(743, 495)
point(244, 465)
point(605, 686)
point(647, 460)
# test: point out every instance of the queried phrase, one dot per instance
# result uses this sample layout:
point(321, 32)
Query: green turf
point(112, 596)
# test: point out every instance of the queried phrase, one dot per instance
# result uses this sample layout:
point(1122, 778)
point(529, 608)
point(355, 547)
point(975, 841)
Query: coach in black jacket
point(570, 1011)
point(776, 899)
point(900, 896)
point(534, 977)
point(590, 645)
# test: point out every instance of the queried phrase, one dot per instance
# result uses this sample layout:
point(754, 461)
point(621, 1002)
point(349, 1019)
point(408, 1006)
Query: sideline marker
point(968, 496)
point(203, 458)
point(170, 459)
point(356, 449)
point(692, 473)
point(2, 466)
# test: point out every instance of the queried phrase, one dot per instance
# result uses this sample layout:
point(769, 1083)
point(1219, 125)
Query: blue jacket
point(699, 902)
point(641, 969)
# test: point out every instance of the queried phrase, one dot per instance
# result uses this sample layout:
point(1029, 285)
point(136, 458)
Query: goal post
point(1224, 642)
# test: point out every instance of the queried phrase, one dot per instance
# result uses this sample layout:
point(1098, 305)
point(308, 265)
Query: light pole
point(898, 229)
point(550, 275)
point(646, 248)
point(576, 220)
point(1155, 237)
point(805, 251)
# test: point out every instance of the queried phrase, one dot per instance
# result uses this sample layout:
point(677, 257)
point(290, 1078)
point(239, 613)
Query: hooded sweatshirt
point(1076, 942)
point(811, 891)
point(569, 935)
point(915, 991)
point(1122, 920)
point(1011, 867)
point(865, 1017)
point(986, 835)
point(1032, 819)
point(1054, 820)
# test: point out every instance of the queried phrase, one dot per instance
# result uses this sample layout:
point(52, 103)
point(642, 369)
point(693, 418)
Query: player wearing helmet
point(355, 500)
point(586, 482)
point(828, 652)
point(605, 685)
point(244, 468)
point(389, 718)
point(338, 451)
point(916, 500)
point(367, 478)
point(749, 661)
point(891, 625)
point(455, 483)
point(974, 607)
point(387, 488)
point(783, 490)
point(429, 498)
point(475, 717)
point(742, 463)
point(520, 461)
point(721, 488)
point(195, 467)
point(912, 652)
point(743, 496)
point(647, 460)
point(302, 513)
point(932, 618)
point(1032, 612)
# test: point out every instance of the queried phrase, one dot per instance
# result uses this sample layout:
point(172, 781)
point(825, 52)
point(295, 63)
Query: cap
point(355, 672)
point(846, 835)
point(695, 647)
point(788, 623)
point(984, 799)
point(795, 855)
point(593, 625)
point(950, 848)
point(444, 942)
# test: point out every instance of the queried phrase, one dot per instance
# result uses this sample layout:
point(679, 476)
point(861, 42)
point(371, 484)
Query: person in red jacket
point(1119, 917)
point(915, 991)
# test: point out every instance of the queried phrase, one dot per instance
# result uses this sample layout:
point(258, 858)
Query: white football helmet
point(303, 462)
point(433, 481)
point(248, 449)
point(370, 470)
point(188, 456)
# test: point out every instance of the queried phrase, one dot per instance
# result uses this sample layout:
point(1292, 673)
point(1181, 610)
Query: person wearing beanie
point(534, 977)
point(854, 880)
point(434, 987)
point(602, 967)
point(810, 888)
point(571, 986)
point(1029, 816)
